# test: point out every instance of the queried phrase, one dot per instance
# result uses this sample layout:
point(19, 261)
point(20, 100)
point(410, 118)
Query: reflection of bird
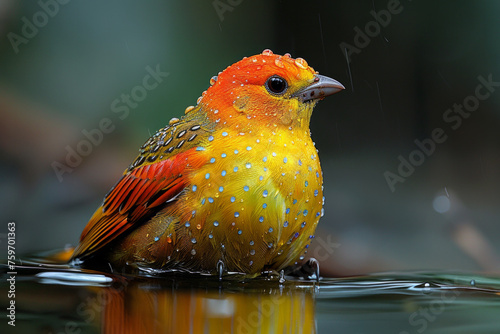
point(236, 181)
point(178, 306)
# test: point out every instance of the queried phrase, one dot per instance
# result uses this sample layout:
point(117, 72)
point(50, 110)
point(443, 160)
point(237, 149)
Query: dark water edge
point(59, 299)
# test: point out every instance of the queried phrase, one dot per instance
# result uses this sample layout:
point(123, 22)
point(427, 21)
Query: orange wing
point(138, 194)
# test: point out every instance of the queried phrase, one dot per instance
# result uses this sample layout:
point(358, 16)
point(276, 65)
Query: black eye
point(276, 85)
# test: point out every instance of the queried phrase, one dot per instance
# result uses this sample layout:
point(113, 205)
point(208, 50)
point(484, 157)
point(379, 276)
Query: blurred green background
point(61, 78)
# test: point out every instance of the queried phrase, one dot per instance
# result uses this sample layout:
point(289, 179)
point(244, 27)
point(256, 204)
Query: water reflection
point(145, 307)
point(59, 299)
point(169, 304)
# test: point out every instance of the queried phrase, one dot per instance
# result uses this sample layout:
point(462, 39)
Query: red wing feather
point(139, 193)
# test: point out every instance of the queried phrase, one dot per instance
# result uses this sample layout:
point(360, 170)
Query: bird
point(233, 186)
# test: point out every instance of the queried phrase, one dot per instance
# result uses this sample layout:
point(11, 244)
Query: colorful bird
point(235, 184)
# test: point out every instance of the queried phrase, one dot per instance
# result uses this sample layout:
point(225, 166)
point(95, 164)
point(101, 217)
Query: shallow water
point(58, 299)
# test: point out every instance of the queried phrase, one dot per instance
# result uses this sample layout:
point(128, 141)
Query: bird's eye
point(276, 85)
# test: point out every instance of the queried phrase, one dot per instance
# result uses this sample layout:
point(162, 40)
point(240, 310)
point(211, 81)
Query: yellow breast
point(256, 204)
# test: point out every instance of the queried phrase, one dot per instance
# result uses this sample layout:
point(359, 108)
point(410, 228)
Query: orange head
point(267, 88)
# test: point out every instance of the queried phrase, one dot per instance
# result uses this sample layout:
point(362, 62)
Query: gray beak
point(319, 89)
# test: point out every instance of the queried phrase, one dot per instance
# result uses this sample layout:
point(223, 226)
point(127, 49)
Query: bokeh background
point(60, 79)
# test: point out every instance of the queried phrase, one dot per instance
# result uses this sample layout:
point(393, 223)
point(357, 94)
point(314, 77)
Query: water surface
point(59, 299)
